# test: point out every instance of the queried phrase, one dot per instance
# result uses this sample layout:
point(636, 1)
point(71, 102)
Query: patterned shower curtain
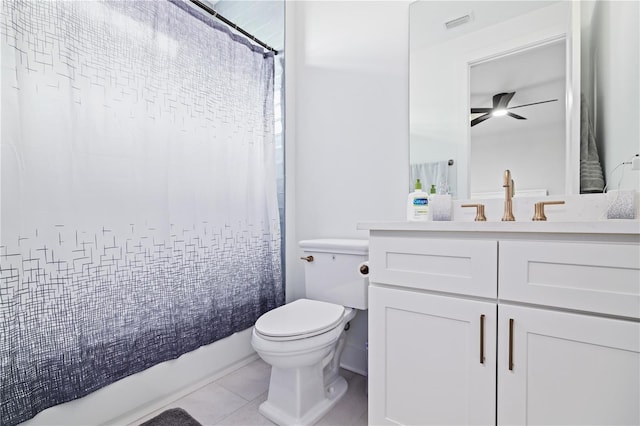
point(138, 211)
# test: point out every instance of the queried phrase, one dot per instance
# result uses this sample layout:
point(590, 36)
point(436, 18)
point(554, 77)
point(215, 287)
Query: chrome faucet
point(509, 191)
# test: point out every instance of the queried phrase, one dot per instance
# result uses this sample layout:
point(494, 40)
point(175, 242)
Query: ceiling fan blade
point(534, 103)
point(501, 100)
point(480, 110)
point(519, 117)
point(480, 119)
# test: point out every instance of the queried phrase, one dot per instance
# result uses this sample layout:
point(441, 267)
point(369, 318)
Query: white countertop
point(581, 214)
point(621, 226)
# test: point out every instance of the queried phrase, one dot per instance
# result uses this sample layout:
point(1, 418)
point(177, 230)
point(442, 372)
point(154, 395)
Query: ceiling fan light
point(499, 112)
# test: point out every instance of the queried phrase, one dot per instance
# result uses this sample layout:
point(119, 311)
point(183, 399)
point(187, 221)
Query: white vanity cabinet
point(575, 357)
point(503, 327)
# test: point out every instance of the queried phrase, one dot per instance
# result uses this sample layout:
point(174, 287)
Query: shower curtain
point(138, 211)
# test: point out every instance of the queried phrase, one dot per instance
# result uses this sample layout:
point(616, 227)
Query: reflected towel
point(434, 173)
point(591, 178)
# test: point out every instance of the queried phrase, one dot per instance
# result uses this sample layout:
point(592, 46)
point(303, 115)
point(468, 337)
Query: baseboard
point(354, 358)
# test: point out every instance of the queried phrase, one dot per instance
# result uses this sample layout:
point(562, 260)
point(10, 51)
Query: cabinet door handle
point(511, 344)
point(482, 339)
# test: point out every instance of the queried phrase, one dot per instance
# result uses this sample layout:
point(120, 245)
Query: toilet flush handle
point(364, 269)
point(307, 258)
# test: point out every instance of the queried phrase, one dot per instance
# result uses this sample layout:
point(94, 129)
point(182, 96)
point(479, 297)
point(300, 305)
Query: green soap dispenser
point(418, 204)
point(432, 196)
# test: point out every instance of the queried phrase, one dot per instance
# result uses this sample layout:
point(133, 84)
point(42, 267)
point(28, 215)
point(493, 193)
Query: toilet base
point(333, 392)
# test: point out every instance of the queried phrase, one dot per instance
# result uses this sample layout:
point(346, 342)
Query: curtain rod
point(232, 25)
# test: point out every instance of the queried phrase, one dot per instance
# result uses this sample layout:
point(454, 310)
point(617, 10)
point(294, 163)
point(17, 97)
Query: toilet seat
point(300, 319)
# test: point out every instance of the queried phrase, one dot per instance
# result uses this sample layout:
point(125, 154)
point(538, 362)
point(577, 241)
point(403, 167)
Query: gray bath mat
point(172, 417)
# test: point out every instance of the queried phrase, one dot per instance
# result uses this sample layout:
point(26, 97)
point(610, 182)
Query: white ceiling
point(430, 28)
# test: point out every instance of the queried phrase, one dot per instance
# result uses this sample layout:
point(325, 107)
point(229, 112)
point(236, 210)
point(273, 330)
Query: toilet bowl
point(304, 382)
point(303, 340)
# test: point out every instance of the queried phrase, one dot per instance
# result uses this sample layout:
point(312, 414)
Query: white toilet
point(303, 340)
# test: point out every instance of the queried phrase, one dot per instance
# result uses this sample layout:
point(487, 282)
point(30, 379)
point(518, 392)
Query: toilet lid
point(302, 317)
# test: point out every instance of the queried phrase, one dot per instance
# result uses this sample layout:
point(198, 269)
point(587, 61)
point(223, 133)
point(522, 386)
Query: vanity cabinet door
point(567, 368)
point(425, 364)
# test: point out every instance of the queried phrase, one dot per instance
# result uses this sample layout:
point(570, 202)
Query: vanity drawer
point(593, 277)
point(444, 265)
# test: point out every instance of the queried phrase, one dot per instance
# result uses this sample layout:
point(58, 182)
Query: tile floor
point(234, 400)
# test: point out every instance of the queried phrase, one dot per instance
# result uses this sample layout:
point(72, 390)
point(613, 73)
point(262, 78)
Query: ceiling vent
point(459, 21)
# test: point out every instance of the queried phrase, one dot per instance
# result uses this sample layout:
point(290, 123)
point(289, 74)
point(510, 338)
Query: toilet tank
point(334, 273)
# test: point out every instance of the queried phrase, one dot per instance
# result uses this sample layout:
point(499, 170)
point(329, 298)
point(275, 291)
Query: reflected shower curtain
point(139, 217)
point(434, 173)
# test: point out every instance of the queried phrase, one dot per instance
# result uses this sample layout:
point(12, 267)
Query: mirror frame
point(567, 28)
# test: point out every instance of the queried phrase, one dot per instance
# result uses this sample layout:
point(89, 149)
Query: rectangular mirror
point(463, 54)
point(451, 42)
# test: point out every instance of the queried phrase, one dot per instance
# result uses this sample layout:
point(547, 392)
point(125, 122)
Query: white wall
point(346, 120)
point(347, 130)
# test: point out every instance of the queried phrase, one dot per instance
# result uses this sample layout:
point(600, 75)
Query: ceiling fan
point(500, 107)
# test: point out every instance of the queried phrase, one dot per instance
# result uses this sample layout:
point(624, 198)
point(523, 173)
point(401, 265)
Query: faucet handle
point(538, 213)
point(480, 217)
